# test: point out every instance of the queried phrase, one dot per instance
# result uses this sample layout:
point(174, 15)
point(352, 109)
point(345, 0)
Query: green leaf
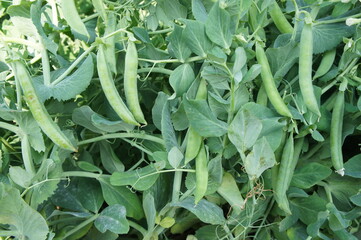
point(328, 36)
point(113, 219)
point(149, 210)
point(66, 197)
point(140, 179)
point(167, 128)
point(252, 73)
point(89, 167)
point(356, 199)
point(23, 220)
point(230, 192)
point(179, 119)
point(309, 175)
point(90, 194)
point(314, 228)
point(210, 232)
point(173, 9)
point(181, 79)
point(353, 166)
point(218, 27)
point(309, 207)
point(199, 11)
point(109, 159)
point(72, 17)
point(20, 176)
point(70, 86)
point(259, 159)
point(177, 46)
point(244, 130)
point(28, 124)
point(195, 37)
point(216, 77)
point(202, 119)
point(336, 220)
point(123, 196)
point(175, 157)
point(206, 211)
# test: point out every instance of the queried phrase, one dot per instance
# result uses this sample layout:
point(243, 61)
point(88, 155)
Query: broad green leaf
point(70, 86)
point(109, 159)
point(89, 167)
point(175, 157)
point(123, 196)
point(328, 36)
point(95, 234)
point(28, 124)
point(336, 219)
point(230, 192)
point(181, 79)
point(344, 235)
point(157, 110)
point(22, 220)
point(66, 197)
point(206, 211)
point(20, 176)
point(353, 166)
point(356, 199)
point(218, 27)
point(113, 219)
point(309, 175)
point(216, 77)
point(244, 130)
point(313, 229)
point(179, 119)
point(289, 220)
point(210, 232)
point(281, 59)
point(141, 34)
point(140, 179)
point(173, 9)
point(240, 60)
point(218, 105)
point(202, 119)
point(161, 190)
point(90, 194)
point(167, 128)
point(259, 159)
point(149, 210)
point(252, 73)
point(177, 46)
point(195, 37)
point(167, 222)
point(199, 11)
point(309, 207)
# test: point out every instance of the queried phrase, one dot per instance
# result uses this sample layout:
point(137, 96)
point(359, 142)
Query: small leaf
point(20, 176)
point(181, 79)
point(195, 37)
point(86, 166)
point(149, 210)
point(177, 46)
point(230, 192)
point(167, 222)
point(168, 132)
point(206, 211)
point(175, 157)
point(113, 219)
point(309, 175)
point(353, 167)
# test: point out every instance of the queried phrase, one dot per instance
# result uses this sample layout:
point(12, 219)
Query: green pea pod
point(336, 133)
point(72, 17)
point(99, 7)
point(285, 174)
point(269, 84)
point(262, 96)
point(38, 110)
point(201, 174)
point(326, 63)
point(110, 90)
point(109, 42)
point(279, 19)
point(194, 140)
point(130, 82)
point(305, 69)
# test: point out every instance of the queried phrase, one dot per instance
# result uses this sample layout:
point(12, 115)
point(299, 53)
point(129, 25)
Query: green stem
point(192, 59)
point(73, 65)
point(21, 41)
point(115, 33)
point(156, 69)
point(84, 174)
point(265, 217)
point(80, 226)
point(9, 233)
point(177, 182)
point(134, 144)
point(123, 135)
point(229, 232)
point(46, 66)
point(26, 153)
point(11, 128)
point(337, 20)
point(88, 18)
point(297, 15)
point(18, 95)
point(327, 190)
point(137, 227)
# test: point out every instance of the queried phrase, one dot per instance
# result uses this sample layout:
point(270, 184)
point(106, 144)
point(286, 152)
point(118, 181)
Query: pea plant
point(176, 119)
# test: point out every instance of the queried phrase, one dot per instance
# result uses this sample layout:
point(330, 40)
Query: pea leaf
point(202, 119)
point(218, 27)
point(113, 219)
point(177, 46)
point(230, 192)
point(309, 207)
point(70, 86)
point(206, 211)
point(309, 175)
point(122, 196)
point(195, 37)
point(181, 79)
point(24, 221)
point(353, 167)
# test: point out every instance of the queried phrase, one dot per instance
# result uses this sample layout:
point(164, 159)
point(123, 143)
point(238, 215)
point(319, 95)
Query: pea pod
point(326, 63)
point(130, 82)
point(194, 140)
point(201, 174)
point(72, 17)
point(269, 84)
point(279, 19)
point(336, 133)
point(38, 110)
point(110, 90)
point(285, 173)
point(305, 69)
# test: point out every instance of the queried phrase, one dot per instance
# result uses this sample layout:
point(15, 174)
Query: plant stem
point(137, 227)
point(177, 182)
point(81, 225)
point(265, 217)
point(46, 66)
point(21, 41)
point(123, 135)
point(337, 20)
point(73, 65)
point(9, 233)
point(161, 31)
point(156, 69)
point(192, 59)
point(134, 144)
point(84, 174)
point(11, 128)
point(26, 153)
